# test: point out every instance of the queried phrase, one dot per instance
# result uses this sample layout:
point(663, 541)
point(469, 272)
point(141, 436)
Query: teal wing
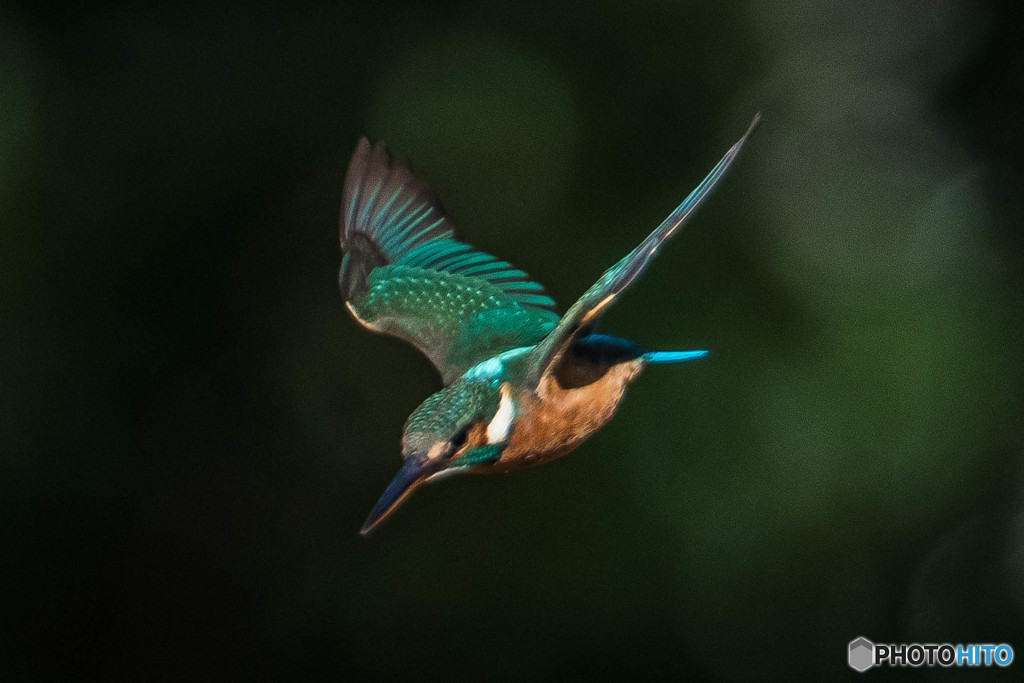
point(585, 312)
point(405, 274)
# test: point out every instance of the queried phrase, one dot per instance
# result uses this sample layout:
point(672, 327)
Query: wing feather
point(404, 272)
point(585, 312)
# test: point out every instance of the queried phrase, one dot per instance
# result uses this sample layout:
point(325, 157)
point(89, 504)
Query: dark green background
point(193, 429)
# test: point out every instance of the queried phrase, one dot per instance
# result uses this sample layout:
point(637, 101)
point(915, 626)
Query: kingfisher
point(523, 385)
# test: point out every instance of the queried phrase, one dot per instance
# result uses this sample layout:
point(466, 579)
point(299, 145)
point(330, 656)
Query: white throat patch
point(501, 423)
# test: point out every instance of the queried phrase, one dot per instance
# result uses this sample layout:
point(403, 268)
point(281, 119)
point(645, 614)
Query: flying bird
point(523, 385)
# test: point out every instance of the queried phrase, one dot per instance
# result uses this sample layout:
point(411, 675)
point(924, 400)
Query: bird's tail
point(669, 357)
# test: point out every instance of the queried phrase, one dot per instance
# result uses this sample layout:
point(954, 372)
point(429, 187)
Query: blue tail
point(666, 357)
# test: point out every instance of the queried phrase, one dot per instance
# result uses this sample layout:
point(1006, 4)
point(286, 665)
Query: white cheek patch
point(501, 423)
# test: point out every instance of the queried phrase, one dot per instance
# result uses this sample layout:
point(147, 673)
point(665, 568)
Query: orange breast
point(554, 420)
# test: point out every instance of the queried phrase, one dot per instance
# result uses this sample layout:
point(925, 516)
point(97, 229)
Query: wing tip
point(735, 149)
point(375, 178)
point(753, 124)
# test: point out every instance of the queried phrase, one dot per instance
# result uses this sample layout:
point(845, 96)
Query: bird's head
point(459, 428)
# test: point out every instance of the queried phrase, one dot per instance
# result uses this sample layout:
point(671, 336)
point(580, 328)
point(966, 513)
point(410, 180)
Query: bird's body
point(523, 385)
point(565, 407)
point(556, 419)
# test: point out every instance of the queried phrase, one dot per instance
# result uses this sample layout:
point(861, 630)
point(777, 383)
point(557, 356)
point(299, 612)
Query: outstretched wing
point(404, 273)
point(616, 279)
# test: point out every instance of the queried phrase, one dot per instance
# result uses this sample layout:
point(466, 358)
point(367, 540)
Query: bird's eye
point(459, 439)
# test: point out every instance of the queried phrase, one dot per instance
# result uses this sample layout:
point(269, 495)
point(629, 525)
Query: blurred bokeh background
point(192, 429)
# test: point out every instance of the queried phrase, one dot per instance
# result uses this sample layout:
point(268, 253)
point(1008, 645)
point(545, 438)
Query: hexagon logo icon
point(861, 654)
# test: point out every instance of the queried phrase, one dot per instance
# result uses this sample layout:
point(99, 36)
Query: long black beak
point(414, 472)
